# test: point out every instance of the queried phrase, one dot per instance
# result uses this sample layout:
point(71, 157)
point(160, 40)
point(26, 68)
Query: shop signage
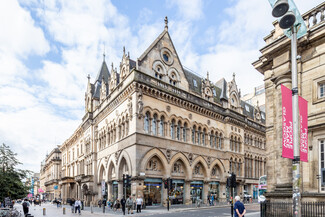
point(103, 187)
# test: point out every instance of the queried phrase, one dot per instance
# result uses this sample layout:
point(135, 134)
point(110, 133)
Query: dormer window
point(195, 83)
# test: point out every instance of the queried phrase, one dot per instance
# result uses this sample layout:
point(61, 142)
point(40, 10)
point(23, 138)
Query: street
point(53, 211)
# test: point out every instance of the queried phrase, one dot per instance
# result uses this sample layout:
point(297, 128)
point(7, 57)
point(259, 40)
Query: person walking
point(123, 202)
point(129, 204)
point(239, 208)
point(26, 207)
point(139, 203)
point(77, 205)
point(72, 201)
point(208, 199)
point(212, 200)
point(99, 203)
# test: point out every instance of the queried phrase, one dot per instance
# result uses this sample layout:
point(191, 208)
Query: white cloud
point(189, 10)
point(19, 34)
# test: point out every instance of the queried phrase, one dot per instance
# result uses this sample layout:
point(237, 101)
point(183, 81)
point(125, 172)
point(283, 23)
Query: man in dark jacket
point(123, 202)
point(26, 207)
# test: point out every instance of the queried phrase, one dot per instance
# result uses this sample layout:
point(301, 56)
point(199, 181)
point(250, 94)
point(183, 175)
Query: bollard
point(44, 211)
point(63, 210)
point(91, 209)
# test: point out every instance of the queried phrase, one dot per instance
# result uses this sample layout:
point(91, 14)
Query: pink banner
point(303, 113)
point(40, 190)
point(287, 130)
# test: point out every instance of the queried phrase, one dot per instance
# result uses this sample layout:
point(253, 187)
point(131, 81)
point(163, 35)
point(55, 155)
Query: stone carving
point(117, 154)
point(168, 108)
point(130, 108)
point(208, 122)
point(209, 161)
point(140, 105)
point(190, 116)
point(197, 170)
point(190, 158)
point(168, 154)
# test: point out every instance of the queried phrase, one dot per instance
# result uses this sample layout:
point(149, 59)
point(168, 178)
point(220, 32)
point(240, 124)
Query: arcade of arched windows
point(235, 143)
point(113, 132)
point(182, 130)
point(255, 166)
point(256, 141)
point(235, 165)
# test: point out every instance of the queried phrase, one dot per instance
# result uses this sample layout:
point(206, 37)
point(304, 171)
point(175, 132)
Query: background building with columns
point(275, 65)
point(153, 119)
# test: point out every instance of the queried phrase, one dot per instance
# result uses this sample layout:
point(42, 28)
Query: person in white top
point(77, 205)
point(139, 203)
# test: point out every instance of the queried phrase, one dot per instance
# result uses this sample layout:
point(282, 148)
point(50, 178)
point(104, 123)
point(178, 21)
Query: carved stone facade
point(50, 175)
point(159, 120)
point(275, 65)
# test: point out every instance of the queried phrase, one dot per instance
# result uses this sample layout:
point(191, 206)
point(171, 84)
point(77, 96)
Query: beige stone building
point(275, 65)
point(51, 175)
point(153, 119)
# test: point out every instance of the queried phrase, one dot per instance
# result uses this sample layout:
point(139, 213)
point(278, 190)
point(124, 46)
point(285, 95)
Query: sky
point(48, 47)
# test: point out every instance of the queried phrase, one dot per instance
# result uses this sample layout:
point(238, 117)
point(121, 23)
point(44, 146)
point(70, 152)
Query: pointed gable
point(103, 74)
point(160, 60)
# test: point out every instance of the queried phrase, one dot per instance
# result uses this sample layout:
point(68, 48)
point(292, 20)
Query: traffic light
point(170, 183)
point(281, 9)
point(228, 182)
point(166, 184)
point(128, 180)
point(233, 180)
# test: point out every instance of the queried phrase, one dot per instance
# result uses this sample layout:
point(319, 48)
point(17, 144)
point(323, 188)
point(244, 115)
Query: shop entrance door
point(196, 191)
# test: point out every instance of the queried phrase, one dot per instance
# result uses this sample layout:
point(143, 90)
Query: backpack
point(25, 205)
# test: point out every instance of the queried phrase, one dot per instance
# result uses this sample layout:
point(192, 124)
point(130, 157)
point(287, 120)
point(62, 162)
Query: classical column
point(222, 192)
point(109, 190)
point(120, 189)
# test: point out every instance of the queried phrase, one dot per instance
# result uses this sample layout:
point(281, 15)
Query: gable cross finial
point(208, 75)
point(257, 104)
point(124, 50)
point(88, 77)
point(234, 75)
point(166, 22)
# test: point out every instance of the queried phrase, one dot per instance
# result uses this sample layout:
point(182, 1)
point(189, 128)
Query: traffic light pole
point(168, 198)
point(232, 201)
point(295, 119)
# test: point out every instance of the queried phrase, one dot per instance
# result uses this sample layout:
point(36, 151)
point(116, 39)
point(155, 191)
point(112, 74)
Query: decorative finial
point(208, 75)
point(234, 75)
point(88, 77)
point(166, 22)
point(123, 50)
point(112, 66)
point(104, 53)
point(257, 104)
point(128, 53)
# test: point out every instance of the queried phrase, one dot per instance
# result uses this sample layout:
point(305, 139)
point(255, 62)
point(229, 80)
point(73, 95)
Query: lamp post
point(294, 27)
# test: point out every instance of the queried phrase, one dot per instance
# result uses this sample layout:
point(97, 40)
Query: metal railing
point(284, 209)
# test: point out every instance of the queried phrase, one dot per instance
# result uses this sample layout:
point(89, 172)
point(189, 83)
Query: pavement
point(159, 211)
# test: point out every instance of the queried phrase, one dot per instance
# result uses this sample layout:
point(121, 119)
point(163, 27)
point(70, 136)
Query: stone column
point(109, 190)
point(205, 192)
point(164, 197)
point(120, 189)
point(187, 192)
point(222, 192)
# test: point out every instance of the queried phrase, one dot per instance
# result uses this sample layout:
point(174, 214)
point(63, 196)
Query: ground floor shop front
point(154, 193)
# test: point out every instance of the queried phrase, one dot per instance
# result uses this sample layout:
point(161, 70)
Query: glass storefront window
point(214, 190)
point(196, 190)
point(176, 195)
point(115, 190)
point(152, 193)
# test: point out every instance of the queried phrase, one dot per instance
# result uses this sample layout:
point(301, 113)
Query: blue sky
point(48, 47)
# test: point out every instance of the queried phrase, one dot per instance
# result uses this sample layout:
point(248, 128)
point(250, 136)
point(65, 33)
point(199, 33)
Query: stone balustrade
point(314, 16)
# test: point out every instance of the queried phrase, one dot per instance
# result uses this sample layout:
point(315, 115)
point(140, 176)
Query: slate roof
point(222, 84)
point(251, 111)
point(103, 73)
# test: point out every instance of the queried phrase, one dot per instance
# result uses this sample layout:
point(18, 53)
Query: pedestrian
point(77, 206)
point(139, 203)
point(72, 201)
point(123, 202)
point(212, 199)
point(129, 204)
point(99, 203)
point(26, 207)
point(109, 204)
point(239, 207)
point(208, 197)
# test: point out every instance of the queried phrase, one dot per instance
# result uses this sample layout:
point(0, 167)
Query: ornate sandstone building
point(153, 119)
point(275, 65)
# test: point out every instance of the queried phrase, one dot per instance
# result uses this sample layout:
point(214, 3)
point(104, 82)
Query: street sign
point(103, 187)
point(299, 23)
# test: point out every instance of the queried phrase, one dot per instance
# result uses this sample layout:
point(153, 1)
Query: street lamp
point(294, 27)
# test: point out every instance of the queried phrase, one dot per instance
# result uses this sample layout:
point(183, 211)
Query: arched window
point(178, 131)
point(184, 132)
point(146, 122)
point(199, 133)
point(162, 126)
point(231, 142)
point(211, 139)
point(172, 129)
point(220, 141)
point(193, 134)
point(203, 137)
point(154, 125)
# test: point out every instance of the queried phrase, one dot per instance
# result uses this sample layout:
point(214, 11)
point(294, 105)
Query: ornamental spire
point(166, 23)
